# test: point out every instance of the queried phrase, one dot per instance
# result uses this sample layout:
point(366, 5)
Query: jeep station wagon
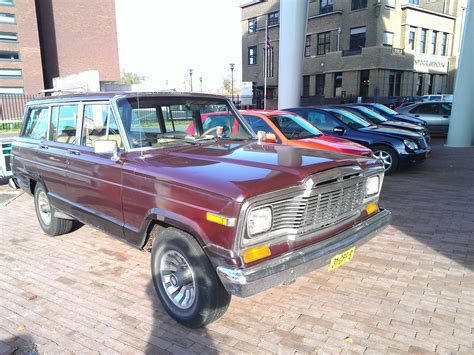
point(222, 211)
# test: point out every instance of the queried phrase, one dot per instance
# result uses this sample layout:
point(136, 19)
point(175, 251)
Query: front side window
point(322, 120)
point(252, 55)
point(99, 124)
point(293, 127)
point(351, 120)
point(357, 40)
point(65, 124)
point(153, 121)
point(259, 124)
point(273, 18)
point(358, 4)
point(37, 124)
point(324, 43)
point(252, 25)
point(423, 40)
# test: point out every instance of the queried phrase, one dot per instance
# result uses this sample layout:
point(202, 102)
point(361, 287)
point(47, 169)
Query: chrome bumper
point(286, 268)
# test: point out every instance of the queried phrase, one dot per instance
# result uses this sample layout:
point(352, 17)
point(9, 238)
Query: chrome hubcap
point(178, 279)
point(385, 158)
point(44, 208)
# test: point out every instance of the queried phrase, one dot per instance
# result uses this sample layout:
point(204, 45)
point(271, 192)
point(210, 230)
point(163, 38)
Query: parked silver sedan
point(435, 113)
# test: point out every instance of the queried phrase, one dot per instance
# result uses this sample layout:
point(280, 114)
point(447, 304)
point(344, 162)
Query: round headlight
point(373, 185)
point(410, 144)
point(259, 221)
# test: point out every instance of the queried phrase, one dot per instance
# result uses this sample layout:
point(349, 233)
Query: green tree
point(131, 78)
point(226, 88)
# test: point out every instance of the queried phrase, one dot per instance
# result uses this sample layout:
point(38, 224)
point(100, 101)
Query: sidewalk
point(409, 290)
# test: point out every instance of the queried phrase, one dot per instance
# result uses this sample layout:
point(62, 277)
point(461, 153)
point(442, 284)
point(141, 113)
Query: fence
point(11, 110)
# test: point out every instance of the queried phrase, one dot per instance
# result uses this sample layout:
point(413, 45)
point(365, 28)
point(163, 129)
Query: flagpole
point(265, 56)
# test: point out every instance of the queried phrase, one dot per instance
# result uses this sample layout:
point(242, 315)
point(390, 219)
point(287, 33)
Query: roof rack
point(64, 90)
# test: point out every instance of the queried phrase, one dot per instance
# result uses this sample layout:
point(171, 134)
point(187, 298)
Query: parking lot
point(410, 289)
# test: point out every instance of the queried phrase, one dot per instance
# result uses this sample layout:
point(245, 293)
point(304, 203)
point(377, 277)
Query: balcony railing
point(348, 52)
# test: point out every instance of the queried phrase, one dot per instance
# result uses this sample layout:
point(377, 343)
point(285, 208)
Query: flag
point(268, 45)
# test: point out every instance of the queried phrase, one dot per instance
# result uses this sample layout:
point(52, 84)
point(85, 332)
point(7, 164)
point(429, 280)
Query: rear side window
point(445, 109)
point(65, 123)
point(99, 124)
point(427, 108)
point(37, 124)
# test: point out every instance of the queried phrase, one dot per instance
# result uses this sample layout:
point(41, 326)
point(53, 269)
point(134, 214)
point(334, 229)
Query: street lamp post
point(232, 66)
point(191, 79)
point(200, 81)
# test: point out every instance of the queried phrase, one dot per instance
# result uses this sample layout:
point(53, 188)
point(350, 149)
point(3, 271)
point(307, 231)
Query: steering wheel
point(225, 130)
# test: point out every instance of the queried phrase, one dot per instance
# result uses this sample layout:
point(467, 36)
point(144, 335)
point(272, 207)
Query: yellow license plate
point(341, 259)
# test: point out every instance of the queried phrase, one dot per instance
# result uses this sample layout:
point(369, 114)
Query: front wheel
point(388, 157)
point(185, 280)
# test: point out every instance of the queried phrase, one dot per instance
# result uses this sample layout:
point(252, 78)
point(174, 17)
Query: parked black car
point(390, 114)
point(396, 148)
point(374, 117)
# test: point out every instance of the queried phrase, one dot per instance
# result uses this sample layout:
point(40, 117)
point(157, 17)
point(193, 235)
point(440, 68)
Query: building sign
point(426, 64)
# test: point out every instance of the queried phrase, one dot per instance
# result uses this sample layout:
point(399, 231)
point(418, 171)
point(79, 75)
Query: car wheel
point(185, 280)
point(50, 224)
point(388, 157)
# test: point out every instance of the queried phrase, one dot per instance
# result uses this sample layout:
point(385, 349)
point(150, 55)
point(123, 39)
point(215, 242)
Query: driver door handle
point(74, 151)
point(43, 146)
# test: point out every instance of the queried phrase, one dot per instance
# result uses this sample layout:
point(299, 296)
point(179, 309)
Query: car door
point(429, 112)
point(95, 181)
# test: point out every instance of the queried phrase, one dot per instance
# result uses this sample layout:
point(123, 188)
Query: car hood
point(391, 132)
point(239, 170)
point(333, 144)
point(404, 125)
point(410, 118)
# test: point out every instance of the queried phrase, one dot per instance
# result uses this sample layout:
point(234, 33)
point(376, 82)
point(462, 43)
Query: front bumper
point(284, 269)
point(407, 159)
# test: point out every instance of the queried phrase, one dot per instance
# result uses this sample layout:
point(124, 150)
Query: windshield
point(350, 119)
point(156, 121)
point(371, 115)
point(294, 127)
point(384, 109)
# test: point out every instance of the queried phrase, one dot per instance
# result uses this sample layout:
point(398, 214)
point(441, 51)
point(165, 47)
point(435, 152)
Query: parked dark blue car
point(396, 148)
point(390, 114)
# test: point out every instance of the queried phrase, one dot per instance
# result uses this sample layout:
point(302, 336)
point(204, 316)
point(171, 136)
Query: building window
point(423, 34)
point(252, 54)
point(444, 42)
point(411, 39)
point(325, 6)
point(394, 83)
point(431, 84)
point(324, 43)
point(419, 85)
point(8, 37)
point(7, 18)
point(6, 2)
point(11, 91)
point(307, 46)
point(358, 4)
point(357, 40)
point(10, 73)
point(338, 84)
point(434, 39)
point(320, 83)
point(306, 79)
point(9, 56)
point(388, 39)
point(252, 25)
point(414, 2)
point(273, 18)
point(364, 83)
point(391, 3)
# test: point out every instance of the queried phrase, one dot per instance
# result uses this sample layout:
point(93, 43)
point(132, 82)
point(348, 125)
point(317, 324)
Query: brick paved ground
point(408, 290)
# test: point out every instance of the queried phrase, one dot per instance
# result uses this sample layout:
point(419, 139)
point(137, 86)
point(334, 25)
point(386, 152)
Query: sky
point(163, 39)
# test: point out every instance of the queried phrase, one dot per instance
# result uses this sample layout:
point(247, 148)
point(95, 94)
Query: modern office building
point(367, 48)
point(44, 39)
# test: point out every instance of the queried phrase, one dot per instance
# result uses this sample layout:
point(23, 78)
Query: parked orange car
point(291, 129)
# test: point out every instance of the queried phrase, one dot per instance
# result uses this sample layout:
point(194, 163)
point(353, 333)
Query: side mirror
point(106, 148)
point(339, 130)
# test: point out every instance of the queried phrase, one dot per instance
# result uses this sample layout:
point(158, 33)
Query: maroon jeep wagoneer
point(222, 211)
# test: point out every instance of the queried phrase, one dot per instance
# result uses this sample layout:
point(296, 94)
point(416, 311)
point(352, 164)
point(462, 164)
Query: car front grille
point(325, 206)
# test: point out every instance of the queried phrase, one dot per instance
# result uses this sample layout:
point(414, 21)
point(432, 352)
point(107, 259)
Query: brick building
point(368, 48)
point(44, 39)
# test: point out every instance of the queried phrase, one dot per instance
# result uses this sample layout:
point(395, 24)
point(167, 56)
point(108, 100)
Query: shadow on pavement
point(434, 201)
point(19, 345)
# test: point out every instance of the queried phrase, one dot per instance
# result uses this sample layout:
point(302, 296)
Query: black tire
point(210, 301)
point(56, 226)
point(383, 149)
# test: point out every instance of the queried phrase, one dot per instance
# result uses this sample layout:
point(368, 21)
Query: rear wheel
point(185, 280)
point(50, 224)
point(388, 157)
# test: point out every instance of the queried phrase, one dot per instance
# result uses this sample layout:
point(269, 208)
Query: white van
point(438, 97)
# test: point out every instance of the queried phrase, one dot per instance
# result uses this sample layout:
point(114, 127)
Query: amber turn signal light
point(371, 208)
point(256, 253)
